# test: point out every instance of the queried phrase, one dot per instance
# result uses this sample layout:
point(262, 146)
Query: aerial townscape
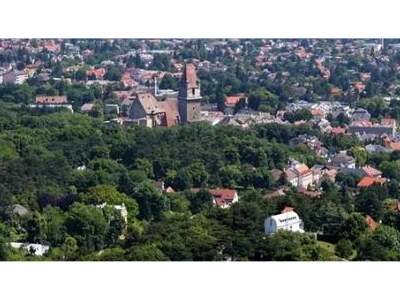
point(199, 149)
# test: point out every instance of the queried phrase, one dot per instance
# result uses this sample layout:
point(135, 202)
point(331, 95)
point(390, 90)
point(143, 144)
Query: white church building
point(285, 221)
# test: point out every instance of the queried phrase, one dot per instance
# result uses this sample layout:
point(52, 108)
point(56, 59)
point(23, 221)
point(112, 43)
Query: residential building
point(34, 249)
point(299, 175)
point(43, 101)
point(385, 127)
point(231, 101)
point(288, 220)
point(367, 181)
point(371, 148)
point(371, 172)
point(342, 161)
point(224, 198)
point(360, 114)
point(97, 74)
point(15, 77)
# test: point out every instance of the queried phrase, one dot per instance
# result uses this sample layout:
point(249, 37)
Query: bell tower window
point(193, 91)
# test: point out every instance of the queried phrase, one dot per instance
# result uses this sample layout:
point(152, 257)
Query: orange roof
point(223, 197)
point(232, 100)
point(98, 73)
point(372, 225)
point(369, 181)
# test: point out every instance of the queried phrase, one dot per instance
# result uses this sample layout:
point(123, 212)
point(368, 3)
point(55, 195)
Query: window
point(193, 91)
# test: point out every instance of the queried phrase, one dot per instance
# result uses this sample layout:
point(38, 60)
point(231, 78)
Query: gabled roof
point(290, 174)
point(232, 100)
point(223, 195)
point(369, 181)
point(170, 108)
point(302, 169)
point(371, 172)
point(148, 102)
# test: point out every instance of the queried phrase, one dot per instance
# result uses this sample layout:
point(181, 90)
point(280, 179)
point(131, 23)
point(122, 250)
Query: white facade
point(287, 221)
point(300, 176)
point(35, 249)
point(67, 106)
point(306, 180)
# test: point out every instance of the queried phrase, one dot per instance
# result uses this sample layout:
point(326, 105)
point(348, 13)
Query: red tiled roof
point(189, 76)
point(98, 73)
point(51, 99)
point(371, 172)
point(369, 181)
point(223, 197)
point(372, 225)
point(394, 145)
point(170, 108)
point(232, 100)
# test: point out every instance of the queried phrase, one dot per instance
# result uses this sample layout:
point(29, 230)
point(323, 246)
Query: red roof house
point(224, 198)
point(371, 172)
point(367, 181)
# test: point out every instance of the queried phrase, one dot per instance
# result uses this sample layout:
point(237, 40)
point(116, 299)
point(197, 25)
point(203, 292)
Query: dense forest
point(60, 167)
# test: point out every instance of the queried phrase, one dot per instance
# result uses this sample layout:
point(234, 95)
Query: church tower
point(189, 98)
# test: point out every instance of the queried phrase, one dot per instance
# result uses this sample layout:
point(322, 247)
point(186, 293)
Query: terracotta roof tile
point(369, 181)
